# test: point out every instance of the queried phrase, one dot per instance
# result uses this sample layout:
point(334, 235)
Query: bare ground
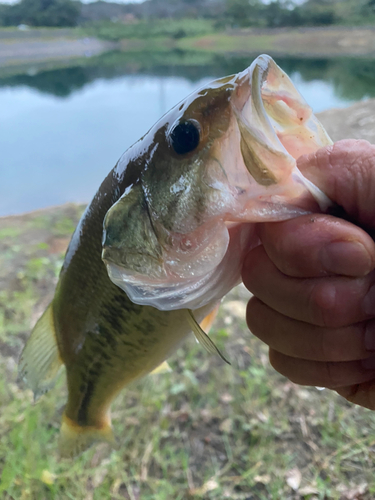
point(356, 121)
point(47, 46)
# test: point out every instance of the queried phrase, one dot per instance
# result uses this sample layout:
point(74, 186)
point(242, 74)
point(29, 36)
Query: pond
point(62, 130)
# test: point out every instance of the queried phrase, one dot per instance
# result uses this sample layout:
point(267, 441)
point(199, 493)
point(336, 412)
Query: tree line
point(223, 13)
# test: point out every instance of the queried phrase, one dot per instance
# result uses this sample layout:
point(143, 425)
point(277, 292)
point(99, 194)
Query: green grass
point(205, 431)
point(225, 43)
point(157, 28)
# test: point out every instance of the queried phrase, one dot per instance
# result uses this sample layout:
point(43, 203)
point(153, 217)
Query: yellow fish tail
point(40, 360)
point(162, 368)
point(74, 438)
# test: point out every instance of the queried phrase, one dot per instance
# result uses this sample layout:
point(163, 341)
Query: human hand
point(313, 280)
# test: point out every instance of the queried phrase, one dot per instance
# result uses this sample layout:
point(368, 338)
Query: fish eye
point(185, 137)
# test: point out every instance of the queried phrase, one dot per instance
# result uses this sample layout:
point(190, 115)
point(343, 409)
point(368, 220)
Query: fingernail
point(349, 258)
point(370, 336)
point(368, 363)
point(368, 303)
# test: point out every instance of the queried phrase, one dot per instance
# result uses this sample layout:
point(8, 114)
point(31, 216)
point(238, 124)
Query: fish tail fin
point(40, 361)
point(75, 439)
point(162, 368)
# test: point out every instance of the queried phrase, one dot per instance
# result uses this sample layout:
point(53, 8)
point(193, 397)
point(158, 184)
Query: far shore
point(39, 46)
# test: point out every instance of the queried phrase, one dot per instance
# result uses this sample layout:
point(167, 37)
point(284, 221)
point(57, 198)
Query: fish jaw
point(249, 174)
point(276, 127)
point(195, 292)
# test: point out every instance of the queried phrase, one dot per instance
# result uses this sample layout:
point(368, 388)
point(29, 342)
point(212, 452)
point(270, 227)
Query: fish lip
point(254, 77)
point(257, 134)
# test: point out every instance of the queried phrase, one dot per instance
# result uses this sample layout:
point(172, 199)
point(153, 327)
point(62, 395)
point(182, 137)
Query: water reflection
point(62, 130)
point(350, 78)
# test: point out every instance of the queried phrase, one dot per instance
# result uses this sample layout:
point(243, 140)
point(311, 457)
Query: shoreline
point(43, 45)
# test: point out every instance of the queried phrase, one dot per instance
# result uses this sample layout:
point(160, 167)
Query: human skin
point(313, 280)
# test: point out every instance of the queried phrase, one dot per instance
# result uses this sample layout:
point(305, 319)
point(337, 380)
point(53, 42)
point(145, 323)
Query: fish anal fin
point(203, 338)
point(208, 321)
point(162, 368)
point(40, 361)
point(75, 439)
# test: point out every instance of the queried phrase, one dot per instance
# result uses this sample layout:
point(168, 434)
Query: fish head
point(219, 161)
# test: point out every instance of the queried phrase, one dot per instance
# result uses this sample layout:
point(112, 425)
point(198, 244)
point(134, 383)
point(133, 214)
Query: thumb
point(345, 172)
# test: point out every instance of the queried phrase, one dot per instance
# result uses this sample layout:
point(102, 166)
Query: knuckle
point(332, 376)
point(330, 348)
point(321, 304)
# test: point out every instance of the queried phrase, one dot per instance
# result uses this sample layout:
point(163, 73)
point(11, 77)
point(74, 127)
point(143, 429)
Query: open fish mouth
point(269, 126)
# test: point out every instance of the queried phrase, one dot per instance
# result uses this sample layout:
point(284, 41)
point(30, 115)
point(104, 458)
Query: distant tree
point(276, 15)
point(242, 12)
point(318, 12)
point(44, 13)
point(4, 10)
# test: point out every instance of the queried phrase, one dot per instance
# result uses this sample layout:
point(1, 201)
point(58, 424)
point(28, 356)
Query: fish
point(164, 239)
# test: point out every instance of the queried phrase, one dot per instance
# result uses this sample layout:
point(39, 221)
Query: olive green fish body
point(104, 340)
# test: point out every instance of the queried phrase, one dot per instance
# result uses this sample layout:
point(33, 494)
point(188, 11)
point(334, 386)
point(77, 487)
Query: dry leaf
point(265, 479)
point(293, 478)
point(47, 477)
point(226, 398)
point(208, 486)
point(308, 490)
point(226, 425)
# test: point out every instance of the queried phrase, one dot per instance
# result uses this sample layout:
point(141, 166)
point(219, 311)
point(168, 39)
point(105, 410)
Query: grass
point(158, 28)
point(205, 431)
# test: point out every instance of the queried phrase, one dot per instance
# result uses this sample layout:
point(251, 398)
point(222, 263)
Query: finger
point(362, 394)
point(345, 173)
point(318, 245)
point(332, 301)
point(322, 374)
point(302, 340)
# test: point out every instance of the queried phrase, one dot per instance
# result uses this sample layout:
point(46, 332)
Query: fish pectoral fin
point(75, 439)
point(163, 368)
point(40, 361)
point(203, 338)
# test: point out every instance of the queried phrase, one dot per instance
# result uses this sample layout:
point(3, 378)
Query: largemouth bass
point(179, 211)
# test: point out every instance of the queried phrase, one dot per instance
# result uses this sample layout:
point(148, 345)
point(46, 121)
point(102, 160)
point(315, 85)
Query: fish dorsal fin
point(203, 338)
point(162, 368)
point(40, 361)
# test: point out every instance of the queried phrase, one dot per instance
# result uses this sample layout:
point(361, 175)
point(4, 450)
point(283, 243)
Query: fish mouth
point(276, 126)
point(257, 135)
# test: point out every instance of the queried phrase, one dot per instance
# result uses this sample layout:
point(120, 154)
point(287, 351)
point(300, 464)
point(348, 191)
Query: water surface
point(62, 130)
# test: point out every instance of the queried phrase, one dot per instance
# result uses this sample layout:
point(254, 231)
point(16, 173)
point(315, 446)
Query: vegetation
point(41, 13)
point(123, 18)
point(205, 431)
point(175, 29)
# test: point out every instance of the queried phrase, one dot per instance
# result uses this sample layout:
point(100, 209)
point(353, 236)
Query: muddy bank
point(47, 46)
point(356, 121)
